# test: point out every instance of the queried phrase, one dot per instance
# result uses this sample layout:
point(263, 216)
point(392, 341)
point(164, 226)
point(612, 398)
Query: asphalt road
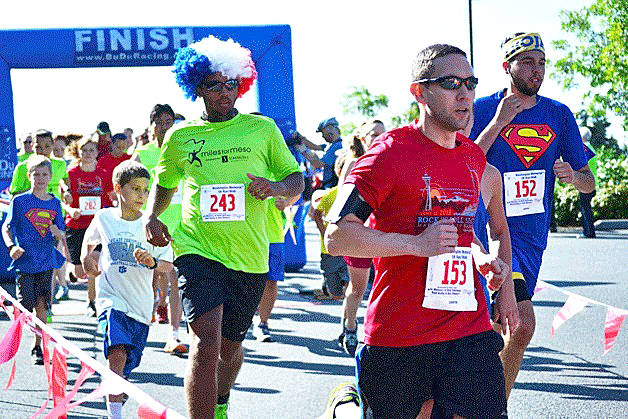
point(565, 376)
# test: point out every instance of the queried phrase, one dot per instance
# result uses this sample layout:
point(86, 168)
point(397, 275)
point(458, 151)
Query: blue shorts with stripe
point(120, 329)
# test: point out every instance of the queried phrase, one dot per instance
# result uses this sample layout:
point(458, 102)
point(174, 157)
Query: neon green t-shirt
point(275, 222)
point(20, 182)
point(220, 219)
point(149, 156)
point(324, 206)
point(22, 157)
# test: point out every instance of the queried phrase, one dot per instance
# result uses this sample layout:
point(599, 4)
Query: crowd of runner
point(186, 221)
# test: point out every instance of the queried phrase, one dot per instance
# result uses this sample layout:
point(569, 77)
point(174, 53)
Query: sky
point(336, 45)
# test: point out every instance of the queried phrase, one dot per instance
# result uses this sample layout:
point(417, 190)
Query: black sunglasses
point(216, 86)
point(452, 82)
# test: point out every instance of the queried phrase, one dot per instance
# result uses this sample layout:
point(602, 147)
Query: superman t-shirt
point(524, 153)
point(29, 219)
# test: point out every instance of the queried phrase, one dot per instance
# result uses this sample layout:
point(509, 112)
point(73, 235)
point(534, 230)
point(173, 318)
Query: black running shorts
point(464, 376)
point(32, 286)
point(521, 290)
point(205, 284)
point(74, 238)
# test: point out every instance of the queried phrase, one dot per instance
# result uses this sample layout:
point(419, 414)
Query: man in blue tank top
point(531, 140)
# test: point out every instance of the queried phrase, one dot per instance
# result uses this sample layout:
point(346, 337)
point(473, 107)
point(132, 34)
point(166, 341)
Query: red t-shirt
point(103, 146)
point(395, 178)
point(107, 163)
point(87, 193)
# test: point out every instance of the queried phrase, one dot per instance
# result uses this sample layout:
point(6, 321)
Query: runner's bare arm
point(498, 225)
point(158, 200)
point(581, 179)
point(89, 259)
point(346, 234)
point(317, 216)
point(507, 109)
point(15, 251)
point(505, 304)
point(311, 157)
point(262, 188)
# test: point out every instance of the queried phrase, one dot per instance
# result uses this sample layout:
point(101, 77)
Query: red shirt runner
point(88, 194)
point(412, 182)
point(106, 164)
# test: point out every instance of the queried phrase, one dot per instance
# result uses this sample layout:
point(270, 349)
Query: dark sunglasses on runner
point(216, 86)
point(452, 82)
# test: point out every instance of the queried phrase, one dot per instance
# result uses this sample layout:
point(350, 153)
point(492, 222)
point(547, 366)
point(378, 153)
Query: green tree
point(599, 56)
point(408, 116)
point(362, 102)
point(598, 126)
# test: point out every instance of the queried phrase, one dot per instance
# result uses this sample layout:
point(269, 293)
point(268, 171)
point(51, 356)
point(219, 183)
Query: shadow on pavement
point(576, 283)
point(540, 363)
point(579, 392)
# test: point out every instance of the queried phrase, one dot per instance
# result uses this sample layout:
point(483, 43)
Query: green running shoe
point(343, 393)
point(221, 411)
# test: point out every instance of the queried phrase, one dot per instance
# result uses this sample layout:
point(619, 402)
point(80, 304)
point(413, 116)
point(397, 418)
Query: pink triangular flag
point(540, 286)
point(45, 340)
point(572, 306)
point(612, 324)
point(11, 340)
point(59, 379)
point(65, 405)
point(11, 375)
point(156, 411)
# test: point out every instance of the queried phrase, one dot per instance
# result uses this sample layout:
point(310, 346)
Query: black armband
point(349, 202)
point(98, 248)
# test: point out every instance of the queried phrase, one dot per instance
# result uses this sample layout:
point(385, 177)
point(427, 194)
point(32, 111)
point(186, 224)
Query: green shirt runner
point(20, 182)
point(149, 156)
point(276, 222)
point(221, 221)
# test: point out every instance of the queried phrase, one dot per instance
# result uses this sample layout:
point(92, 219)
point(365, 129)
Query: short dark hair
point(127, 171)
point(36, 161)
point(43, 133)
point(158, 109)
point(423, 65)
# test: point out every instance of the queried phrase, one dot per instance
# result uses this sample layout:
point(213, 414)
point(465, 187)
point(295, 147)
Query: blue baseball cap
point(118, 136)
point(328, 121)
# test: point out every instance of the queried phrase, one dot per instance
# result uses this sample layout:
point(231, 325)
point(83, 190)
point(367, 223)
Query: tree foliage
point(598, 126)
point(361, 102)
point(599, 56)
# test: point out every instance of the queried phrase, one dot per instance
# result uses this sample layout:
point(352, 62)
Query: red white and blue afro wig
point(210, 55)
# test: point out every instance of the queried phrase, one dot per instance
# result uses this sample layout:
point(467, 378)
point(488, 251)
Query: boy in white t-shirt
point(116, 250)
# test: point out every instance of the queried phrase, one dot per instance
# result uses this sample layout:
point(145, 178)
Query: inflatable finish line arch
point(271, 49)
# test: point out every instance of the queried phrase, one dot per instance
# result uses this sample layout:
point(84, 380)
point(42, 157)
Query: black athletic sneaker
point(350, 341)
point(91, 309)
point(37, 356)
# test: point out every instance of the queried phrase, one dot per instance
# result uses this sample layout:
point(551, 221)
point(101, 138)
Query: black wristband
point(98, 248)
point(155, 265)
point(10, 247)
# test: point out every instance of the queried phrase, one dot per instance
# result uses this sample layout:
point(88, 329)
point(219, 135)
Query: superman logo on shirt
point(528, 141)
point(41, 219)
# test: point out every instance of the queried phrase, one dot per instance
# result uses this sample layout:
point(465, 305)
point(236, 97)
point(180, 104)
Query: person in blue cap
point(330, 130)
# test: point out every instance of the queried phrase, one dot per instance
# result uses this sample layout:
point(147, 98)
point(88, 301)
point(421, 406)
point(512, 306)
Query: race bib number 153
point(449, 282)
